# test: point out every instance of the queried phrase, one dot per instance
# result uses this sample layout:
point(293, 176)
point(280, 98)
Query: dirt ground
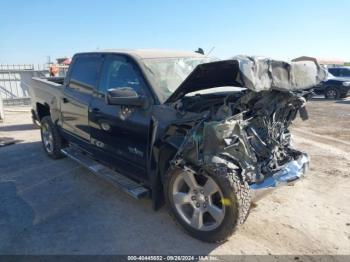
point(57, 207)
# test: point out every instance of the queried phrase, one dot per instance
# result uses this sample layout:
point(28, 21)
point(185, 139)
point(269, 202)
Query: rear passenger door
point(82, 80)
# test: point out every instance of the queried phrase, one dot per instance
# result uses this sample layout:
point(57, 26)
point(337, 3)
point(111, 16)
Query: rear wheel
point(208, 206)
point(332, 93)
point(51, 138)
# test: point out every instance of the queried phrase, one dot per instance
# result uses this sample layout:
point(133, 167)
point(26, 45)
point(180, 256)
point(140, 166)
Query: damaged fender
point(243, 132)
point(248, 132)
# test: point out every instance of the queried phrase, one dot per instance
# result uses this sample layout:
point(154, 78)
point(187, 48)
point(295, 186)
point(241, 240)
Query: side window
point(345, 72)
point(333, 71)
point(85, 70)
point(118, 72)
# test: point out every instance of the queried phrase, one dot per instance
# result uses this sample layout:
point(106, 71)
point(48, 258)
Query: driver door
point(120, 134)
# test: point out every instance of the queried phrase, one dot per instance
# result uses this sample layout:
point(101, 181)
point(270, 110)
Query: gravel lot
point(57, 207)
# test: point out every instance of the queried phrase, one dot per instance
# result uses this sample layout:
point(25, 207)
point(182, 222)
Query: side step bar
point(129, 186)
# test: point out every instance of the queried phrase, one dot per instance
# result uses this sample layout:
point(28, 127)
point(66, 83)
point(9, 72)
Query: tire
point(232, 198)
point(331, 93)
point(51, 138)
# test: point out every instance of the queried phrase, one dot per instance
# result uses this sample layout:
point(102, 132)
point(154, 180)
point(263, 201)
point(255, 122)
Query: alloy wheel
point(331, 93)
point(198, 200)
point(47, 137)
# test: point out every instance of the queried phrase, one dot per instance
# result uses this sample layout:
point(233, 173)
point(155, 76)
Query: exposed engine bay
point(246, 130)
point(243, 130)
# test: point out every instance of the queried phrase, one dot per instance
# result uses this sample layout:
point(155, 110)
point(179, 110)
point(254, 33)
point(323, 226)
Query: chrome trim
point(291, 172)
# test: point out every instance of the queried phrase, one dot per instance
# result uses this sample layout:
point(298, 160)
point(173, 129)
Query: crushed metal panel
point(254, 137)
point(262, 74)
point(255, 73)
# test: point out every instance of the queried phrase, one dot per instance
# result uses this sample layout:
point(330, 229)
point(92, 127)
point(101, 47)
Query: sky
point(30, 31)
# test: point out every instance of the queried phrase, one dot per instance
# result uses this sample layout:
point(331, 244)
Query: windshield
point(330, 76)
point(168, 73)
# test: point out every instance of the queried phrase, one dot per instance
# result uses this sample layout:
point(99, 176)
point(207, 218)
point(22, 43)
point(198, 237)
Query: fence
point(1, 111)
point(15, 81)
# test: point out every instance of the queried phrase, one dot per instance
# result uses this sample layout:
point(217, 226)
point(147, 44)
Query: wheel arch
point(42, 110)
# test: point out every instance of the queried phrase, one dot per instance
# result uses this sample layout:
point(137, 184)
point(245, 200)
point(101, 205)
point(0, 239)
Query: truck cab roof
point(149, 53)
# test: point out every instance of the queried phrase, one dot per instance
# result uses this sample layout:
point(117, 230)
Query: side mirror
point(125, 96)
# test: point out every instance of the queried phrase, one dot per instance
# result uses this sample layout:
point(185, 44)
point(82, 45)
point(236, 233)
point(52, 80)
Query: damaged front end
point(254, 141)
point(247, 132)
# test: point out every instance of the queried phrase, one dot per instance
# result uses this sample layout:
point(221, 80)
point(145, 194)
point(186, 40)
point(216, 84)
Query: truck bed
point(43, 89)
point(46, 92)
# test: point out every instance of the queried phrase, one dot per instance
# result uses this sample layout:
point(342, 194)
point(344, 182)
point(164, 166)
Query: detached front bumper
point(289, 174)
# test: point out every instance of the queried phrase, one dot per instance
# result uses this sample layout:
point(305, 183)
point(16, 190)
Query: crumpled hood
point(255, 73)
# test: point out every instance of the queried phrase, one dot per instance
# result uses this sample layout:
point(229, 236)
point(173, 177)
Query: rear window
point(85, 70)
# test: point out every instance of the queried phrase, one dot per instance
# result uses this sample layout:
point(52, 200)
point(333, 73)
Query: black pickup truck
point(201, 135)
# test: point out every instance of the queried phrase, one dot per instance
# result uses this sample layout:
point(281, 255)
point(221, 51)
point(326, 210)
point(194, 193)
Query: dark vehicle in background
point(340, 72)
point(141, 120)
point(337, 85)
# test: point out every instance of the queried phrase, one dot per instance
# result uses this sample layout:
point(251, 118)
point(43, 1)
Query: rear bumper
point(292, 171)
point(34, 115)
point(35, 118)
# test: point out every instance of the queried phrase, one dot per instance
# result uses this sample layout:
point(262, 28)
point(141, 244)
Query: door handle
point(65, 100)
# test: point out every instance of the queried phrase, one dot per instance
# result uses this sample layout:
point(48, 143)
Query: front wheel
point(332, 93)
point(208, 206)
point(51, 138)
